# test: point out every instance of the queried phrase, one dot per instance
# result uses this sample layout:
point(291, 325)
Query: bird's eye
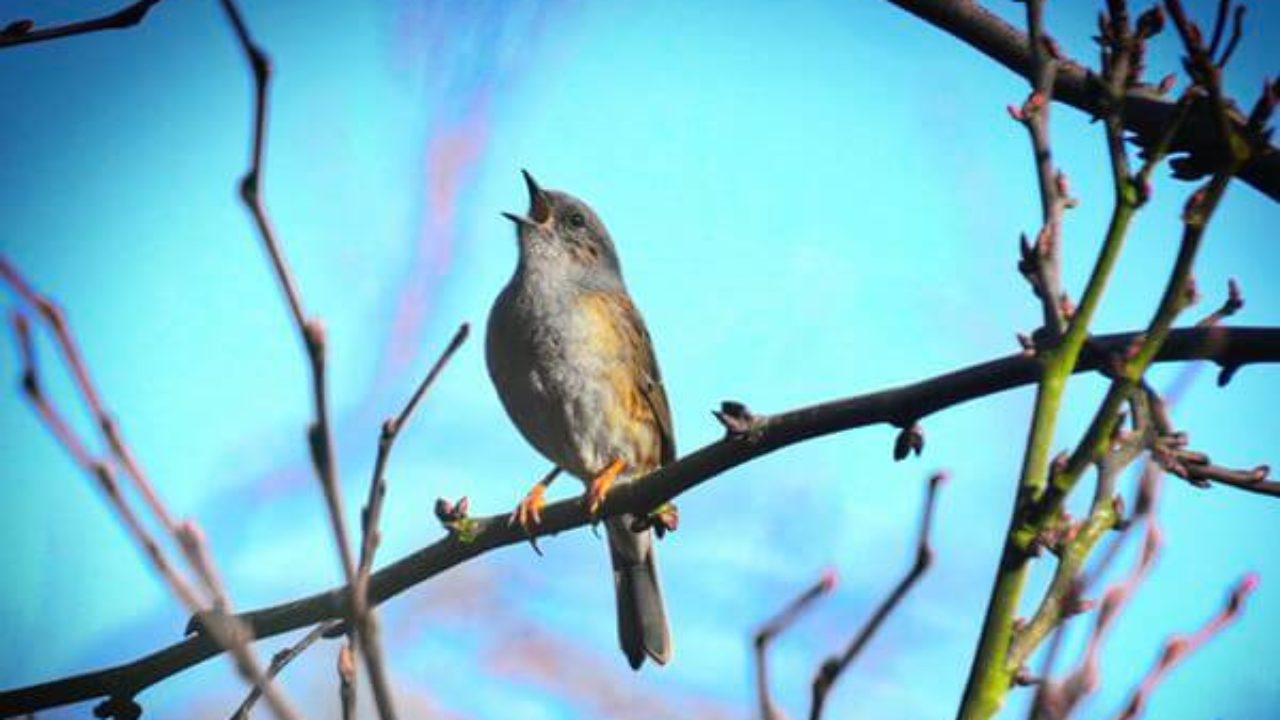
point(577, 220)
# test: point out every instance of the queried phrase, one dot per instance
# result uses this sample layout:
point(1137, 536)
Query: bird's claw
point(528, 513)
point(662, 520)
point(600, 485)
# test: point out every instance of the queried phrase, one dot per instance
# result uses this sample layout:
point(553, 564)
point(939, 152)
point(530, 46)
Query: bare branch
point(320, 434)
point(1231, 346)
point(278, 663)
point(21, 32)
point(53, 317)
point(834, 666)
point(1146, 113)
point(227, 632)
point(775, 626)
point(1177, 648)
point(1229, 307)
point(1041, 262)
point(386, 440)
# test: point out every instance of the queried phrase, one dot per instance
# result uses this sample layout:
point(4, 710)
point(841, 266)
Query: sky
point(811, 200)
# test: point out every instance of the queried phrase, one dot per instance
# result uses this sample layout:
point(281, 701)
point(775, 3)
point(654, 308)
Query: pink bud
point(1249, 582)
point(829, 579)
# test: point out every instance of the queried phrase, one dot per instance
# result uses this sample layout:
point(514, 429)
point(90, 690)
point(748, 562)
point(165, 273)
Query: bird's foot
point(665, 519)
point(529, 510)
point(600, 485)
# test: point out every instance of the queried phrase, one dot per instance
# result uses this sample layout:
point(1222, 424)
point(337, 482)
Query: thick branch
point(898, 406)
point(1145, 114)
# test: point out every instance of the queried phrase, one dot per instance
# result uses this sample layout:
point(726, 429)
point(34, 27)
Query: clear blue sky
point(810, 199)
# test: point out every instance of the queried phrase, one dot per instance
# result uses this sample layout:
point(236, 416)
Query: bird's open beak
point(539, 205)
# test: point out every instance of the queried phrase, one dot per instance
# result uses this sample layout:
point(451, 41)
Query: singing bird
point(574, 367)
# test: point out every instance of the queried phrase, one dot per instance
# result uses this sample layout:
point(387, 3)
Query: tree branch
point(228, 632)
point(311, 330)
point(834, 666)
point(775, 626)
point(278, 663)
point(1177, 648)
point(899, 406)
point(21, 32)
point(1146, 113)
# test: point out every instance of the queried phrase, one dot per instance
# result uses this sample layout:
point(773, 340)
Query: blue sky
point(811, 200)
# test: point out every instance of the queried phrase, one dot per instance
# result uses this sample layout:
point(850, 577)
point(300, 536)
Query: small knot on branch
point(910, 440)
point(1150, 23)
point(1055, 535)
point(17, 29)
point(1225, 374)
point(249, 187)
point(315, 335)
point(1122, 521)
point(1027, 345)
point(118, 708)
point(1076, 604)
point(1025, 678)
point(1066, 306)
point(1242, 591)
point(389, 428)
point(1232, 305)
point(738, 420)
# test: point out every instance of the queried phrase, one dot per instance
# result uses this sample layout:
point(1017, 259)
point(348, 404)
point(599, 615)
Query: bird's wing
point(622, 335)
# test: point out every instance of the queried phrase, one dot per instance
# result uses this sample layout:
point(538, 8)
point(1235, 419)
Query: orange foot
point(529, 512)
point(599, 487)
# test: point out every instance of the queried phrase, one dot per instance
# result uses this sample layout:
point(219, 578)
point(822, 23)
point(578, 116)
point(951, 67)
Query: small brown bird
point(575, 369)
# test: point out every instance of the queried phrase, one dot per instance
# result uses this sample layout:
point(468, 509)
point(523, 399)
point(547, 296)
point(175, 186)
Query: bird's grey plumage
point(574, 367)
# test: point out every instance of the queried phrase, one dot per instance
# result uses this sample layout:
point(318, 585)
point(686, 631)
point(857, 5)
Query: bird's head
point(560, 231)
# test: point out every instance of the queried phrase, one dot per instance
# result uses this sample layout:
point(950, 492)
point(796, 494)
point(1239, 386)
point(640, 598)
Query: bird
point(575, 370)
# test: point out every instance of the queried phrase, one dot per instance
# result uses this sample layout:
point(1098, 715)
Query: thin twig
point(896, 406)
point(1072, 543)
point(1041, 262)
point(1177, 648)
point(834, 666)
point(1057, 699)
point(100, 470)
point(55, 319)
point(312, 333)
point(278, 663)
point(386, 440)
point(228, 632)
point(775, 626)
point(362, 615)
point(347, 679)
point(21, 32)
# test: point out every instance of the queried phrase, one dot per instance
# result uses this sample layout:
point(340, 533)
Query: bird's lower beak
point(519, 220)
point(539, 205)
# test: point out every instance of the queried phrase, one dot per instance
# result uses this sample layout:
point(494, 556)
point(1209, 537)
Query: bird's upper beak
point(539, 205)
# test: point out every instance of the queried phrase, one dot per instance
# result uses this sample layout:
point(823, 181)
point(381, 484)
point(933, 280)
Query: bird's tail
point(642, 617)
